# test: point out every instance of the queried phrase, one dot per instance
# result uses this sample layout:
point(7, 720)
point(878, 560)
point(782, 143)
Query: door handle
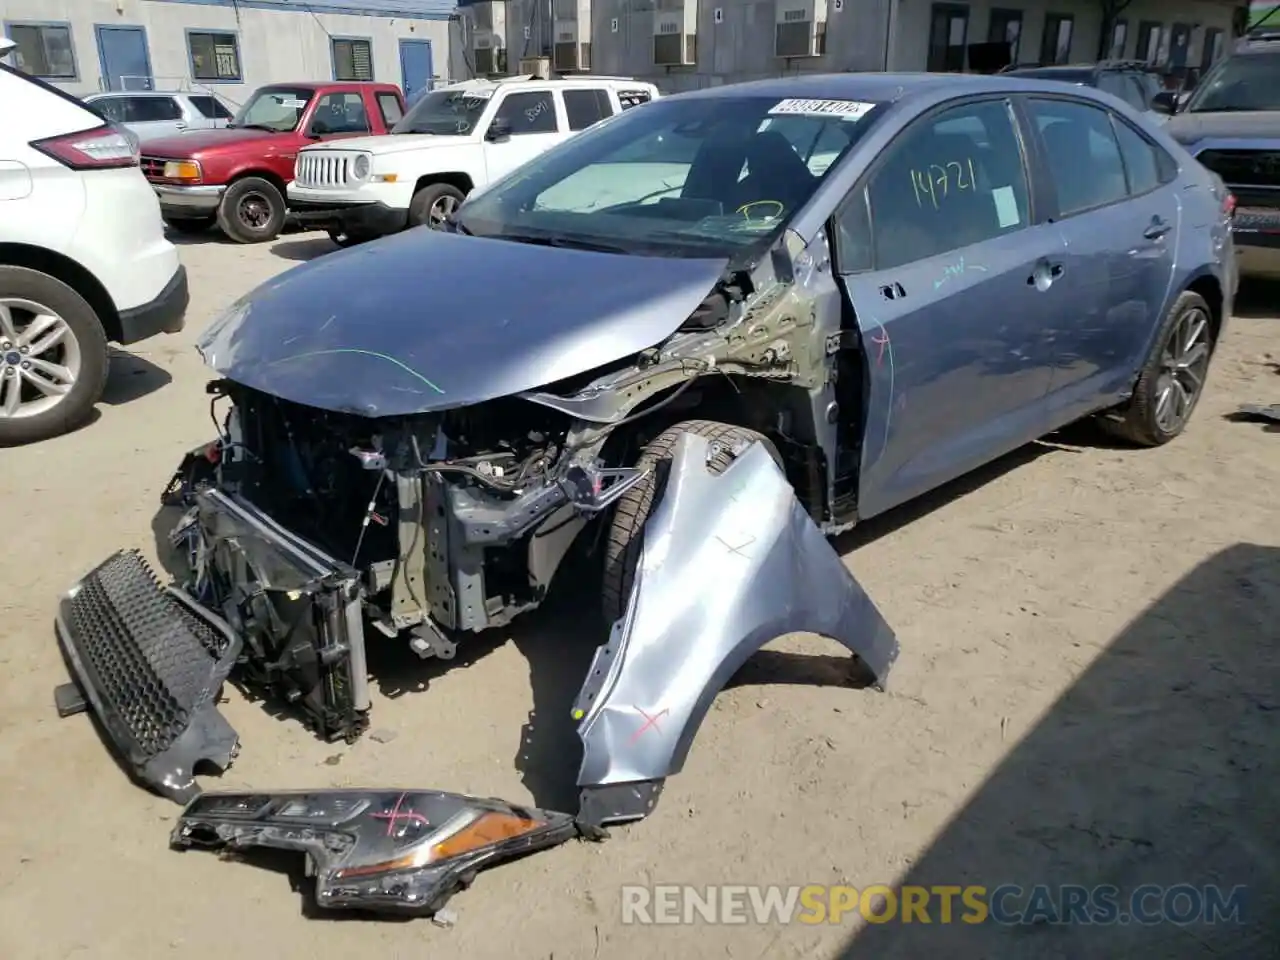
point(1157, 229)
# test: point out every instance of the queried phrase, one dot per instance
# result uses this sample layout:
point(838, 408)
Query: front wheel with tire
point(189, 226)
point(252, 211)
point(1172, 379)
point(433, 205)
point(53, 357)
point(626, 527)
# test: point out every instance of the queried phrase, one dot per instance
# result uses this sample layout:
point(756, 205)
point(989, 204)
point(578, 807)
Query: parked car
point(1231, 124)
point(454, 140)
point(83, 257)
point(1133, 81)
point(152, 114)
point(865, 284)
point(237, 177)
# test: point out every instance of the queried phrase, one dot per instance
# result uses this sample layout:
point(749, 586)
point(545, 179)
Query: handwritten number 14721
point(935, 183)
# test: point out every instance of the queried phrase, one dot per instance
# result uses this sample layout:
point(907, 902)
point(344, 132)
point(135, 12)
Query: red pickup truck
point(237, 176)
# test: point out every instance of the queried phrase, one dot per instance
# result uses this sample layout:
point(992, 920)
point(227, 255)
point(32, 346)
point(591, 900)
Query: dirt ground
point(1087, 693)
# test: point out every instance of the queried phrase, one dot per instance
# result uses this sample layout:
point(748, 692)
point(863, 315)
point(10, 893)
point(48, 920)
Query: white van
point(454, 140)
point(83, 256)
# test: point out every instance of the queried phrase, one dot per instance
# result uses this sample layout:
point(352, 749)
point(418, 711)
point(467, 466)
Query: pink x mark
point(881, 340)
point(395, 816)
point(649, 721)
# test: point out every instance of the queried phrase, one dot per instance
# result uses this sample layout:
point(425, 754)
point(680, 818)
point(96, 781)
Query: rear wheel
point(1172, 380)
point(197, 225)
point(433, 205)
point(626, 528)
point(252, 211)
point(53, 357)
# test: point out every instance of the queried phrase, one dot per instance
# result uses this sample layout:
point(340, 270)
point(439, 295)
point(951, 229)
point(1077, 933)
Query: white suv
point(83, 257)
point(454, 140)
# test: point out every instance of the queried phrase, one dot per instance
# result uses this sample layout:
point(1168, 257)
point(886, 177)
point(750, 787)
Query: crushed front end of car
point(383, 475)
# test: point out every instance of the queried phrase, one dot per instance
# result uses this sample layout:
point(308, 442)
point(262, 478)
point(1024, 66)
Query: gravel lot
point(1087, 693)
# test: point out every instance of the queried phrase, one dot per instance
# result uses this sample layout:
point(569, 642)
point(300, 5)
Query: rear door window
point(389, 106)
point(586, 107)
point(1082, 154)
point(1146, 165)
point(153, 109)
point(529, 111)
point(339, 113)
point(112, 108)
point(952, 179)
point(210, 107)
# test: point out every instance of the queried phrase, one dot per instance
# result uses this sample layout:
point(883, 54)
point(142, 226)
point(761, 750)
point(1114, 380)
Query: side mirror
point(499, 131)
point(1166, 102)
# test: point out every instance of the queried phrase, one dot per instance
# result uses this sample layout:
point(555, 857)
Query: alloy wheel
point(1184, 361)
point(39, 358)
point(254, 211)
point(441, 211)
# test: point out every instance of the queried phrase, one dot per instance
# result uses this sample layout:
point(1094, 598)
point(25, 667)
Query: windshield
point(274, 108)
point(446, 112)
point(707, 174)
point(1249, 81)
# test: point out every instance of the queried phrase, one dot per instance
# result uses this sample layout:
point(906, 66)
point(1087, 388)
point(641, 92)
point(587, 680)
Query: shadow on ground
point(1159, 766)
point(314, 245)
point(132, 377)
point(1256, 299)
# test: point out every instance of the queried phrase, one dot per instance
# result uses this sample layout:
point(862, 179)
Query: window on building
point(1212, 48)
point(1119, 39)
point(1006, 27)
point(1148, 41)
point(1055, 45)
point(43, 50)
point(389, 104)
point(585, 107)
point(1082, 153)
point(210, 107)
point(352, 59)
point(214, 56)
point(339, 113)
point(948, 34)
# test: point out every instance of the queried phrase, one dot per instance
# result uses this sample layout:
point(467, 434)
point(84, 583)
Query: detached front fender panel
point(729, 562)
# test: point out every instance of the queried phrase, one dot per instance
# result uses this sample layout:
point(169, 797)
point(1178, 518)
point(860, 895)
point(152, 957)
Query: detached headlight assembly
point(392, 851)
point(360, 168)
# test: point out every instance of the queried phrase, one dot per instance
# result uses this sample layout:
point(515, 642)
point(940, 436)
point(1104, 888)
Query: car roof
point(113, 94)
point(583, 79)
point(878, 87)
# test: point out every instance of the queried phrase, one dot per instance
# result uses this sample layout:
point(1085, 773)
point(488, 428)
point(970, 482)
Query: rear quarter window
point(210, 107)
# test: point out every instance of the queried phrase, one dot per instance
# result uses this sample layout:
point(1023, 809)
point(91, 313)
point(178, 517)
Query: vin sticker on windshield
point(845, 109)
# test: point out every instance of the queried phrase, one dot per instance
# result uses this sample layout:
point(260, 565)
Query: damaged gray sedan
point(685, 347)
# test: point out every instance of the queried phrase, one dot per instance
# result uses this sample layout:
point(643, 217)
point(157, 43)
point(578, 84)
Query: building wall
point(862, 35)
point(275, 44)
point(912, 41)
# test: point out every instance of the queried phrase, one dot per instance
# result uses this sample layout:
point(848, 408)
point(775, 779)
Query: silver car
point(151, 114)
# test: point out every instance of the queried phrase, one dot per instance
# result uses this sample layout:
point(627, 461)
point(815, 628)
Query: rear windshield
point(1084, 77)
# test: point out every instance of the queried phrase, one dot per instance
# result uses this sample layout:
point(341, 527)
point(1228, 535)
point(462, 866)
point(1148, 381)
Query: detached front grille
point(322, 168)
point(1244, 168)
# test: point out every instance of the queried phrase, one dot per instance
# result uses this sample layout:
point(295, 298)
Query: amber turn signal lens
point(488, 828)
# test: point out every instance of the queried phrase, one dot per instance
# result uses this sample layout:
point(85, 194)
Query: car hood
point(185, 144)
point(396, 143)
point(1192, 128)
point(425, 320)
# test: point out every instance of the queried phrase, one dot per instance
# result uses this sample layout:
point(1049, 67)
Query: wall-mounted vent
point(675, 34)
point(800, 28)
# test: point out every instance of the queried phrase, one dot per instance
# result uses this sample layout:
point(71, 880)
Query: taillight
point(1229, 205)
point(98, 149)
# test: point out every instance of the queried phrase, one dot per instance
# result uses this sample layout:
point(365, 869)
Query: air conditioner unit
point(570, 53)
point(800, 28)
point(675, 33)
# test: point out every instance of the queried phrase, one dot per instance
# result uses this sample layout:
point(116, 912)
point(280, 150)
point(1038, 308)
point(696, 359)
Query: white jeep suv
point(454, 140)
point(83, 256)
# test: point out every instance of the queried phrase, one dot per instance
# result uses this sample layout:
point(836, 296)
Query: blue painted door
point(415, 68)
point(123, 56)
